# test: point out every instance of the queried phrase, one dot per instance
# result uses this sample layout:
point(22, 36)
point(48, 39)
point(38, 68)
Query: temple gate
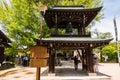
point(73, 21)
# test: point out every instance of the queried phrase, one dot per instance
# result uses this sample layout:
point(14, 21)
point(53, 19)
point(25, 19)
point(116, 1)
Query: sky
point(111, 9)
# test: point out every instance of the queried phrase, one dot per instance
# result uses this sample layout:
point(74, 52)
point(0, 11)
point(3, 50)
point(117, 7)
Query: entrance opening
point(65, 62)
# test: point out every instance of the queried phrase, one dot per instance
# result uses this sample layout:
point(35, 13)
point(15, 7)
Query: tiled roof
point(75, 39)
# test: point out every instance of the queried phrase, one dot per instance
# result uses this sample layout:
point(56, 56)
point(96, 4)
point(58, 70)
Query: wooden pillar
point(101, 58)
point(91, 64)
point(83, 60)
point(56, 28)
point(83, 31)
point(87, 59)
point(51, 61)
point(2, 55)
point(79, 31)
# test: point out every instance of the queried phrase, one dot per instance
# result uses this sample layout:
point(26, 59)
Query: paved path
point(19, 73)
point(65, 72)
point(111, 69)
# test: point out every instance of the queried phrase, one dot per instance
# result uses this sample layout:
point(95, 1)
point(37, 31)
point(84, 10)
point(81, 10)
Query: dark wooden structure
point(74, 20)
point(4, 43)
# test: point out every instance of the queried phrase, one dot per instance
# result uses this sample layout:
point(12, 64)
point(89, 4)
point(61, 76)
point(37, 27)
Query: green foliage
point(101, 35)
point(12, 51)
point(105, 35)
point(110, 51)
point(21, 22)
point(86, 3)
point(106, 50)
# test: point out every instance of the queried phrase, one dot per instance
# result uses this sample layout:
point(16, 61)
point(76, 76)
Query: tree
point(100, 35)
point(110, 51)
point(21, 22)
point(21, 19)
point(105, 35)
point(96, 33)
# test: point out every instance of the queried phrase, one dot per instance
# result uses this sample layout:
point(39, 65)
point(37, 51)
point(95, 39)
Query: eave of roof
point(68, 7)
point(5, 45)
point(3, 36)
point(74, 39)
point(73, 8)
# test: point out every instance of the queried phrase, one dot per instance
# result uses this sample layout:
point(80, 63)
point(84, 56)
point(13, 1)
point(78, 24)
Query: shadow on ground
point(71, 72)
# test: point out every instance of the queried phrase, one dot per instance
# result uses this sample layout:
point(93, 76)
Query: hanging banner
point(117, 43)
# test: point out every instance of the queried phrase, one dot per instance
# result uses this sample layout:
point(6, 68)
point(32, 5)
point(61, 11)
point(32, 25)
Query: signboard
point(38, 62)
point(38, 52)
point(38, 56)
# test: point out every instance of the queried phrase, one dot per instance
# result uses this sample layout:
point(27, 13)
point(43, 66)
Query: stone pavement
point(64, 72)
point(67, 72)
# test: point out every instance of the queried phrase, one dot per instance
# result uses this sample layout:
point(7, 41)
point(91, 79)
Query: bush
point(7, 65)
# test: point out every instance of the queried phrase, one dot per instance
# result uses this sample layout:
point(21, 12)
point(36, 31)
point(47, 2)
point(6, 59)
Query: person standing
point(25, 61)
point(75, 62)
point(17, 60)
point(105, 58)
point(95, 62)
